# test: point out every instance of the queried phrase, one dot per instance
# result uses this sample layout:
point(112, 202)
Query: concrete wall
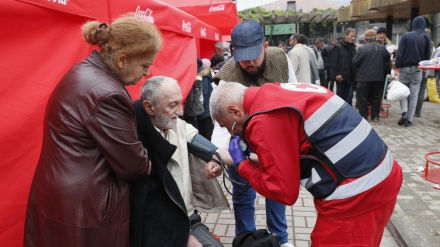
point(436, 30)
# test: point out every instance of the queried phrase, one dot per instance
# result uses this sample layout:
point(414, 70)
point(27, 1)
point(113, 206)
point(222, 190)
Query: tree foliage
point(311, 28)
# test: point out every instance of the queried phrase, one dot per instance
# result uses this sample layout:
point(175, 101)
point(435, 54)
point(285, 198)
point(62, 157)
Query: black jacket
point(341, 61)
point(326, 55)
point(155, 200)
point(371, 62)
point(158, 216)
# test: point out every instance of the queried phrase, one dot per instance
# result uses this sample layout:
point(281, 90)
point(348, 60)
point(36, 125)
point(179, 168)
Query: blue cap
point(247, 39)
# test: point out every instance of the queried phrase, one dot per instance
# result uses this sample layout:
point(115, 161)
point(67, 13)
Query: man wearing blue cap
point(254, 64)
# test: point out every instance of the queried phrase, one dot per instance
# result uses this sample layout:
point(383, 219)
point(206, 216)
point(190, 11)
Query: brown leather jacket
point(80, 194)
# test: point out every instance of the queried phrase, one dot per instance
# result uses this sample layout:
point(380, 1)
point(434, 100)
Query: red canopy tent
point(40, 41)
point(219, 13)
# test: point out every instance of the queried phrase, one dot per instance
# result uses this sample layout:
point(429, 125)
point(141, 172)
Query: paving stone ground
point(416, 218)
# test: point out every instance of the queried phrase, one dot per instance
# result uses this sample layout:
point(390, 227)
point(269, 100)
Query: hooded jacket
point(414, 46)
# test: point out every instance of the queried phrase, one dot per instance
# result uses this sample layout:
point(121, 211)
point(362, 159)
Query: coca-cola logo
point(63, 2)
point(220, 7)
point(217, 36)
point(146, 15)
point(186, 26)
point(203, 32)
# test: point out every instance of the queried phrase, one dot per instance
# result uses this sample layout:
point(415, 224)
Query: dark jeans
point(344, 90)
point(244, 210)
point(369, 90)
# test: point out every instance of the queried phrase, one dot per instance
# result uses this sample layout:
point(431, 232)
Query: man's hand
point(396, 74)
point(149, 167)
point(339, 78)
point(212, 170)
point(235, 151)
point(193, 242)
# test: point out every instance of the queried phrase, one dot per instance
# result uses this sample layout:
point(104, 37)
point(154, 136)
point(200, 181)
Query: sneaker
point(417, 115)
point(375, 119)
point(402, 120)
point(408, 123)
point(287, 245)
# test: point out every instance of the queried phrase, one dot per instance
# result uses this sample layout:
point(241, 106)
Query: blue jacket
point(414, 46)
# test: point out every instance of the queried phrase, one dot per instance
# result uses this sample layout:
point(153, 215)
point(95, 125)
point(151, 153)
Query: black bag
point(259, 238)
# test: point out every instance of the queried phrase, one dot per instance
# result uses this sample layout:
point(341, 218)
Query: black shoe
point(375, 119)
point(417, 115)
point(402, 121)
point(408, 123)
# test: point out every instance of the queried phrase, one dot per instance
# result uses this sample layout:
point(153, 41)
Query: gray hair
point(348, 31)
point(151, 89)
point(219, 45)
point(225, 94)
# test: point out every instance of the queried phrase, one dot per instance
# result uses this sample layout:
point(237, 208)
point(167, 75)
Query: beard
point(256, 74)
point(163, 122)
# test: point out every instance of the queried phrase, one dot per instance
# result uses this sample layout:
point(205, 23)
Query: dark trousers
point(322, 79)
point(422, 92)
point(205, 126)
point(369, 90)
point(343, 90)
point(191, 120)
point(328, 82)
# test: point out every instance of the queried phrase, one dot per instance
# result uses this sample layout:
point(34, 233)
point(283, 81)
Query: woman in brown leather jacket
point(80, 195)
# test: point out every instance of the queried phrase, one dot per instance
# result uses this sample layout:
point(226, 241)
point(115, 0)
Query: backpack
point(258, 238)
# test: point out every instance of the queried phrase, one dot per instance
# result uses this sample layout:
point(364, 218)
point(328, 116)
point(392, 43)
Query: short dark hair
point(296, 37)
point(319, 40)
point(303, 38)
point(216, 59)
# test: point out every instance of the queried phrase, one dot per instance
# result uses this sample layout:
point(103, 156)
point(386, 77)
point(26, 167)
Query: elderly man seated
point(164, 204)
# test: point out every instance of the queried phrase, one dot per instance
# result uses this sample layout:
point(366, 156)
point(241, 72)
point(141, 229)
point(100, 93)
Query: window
point(291, 5)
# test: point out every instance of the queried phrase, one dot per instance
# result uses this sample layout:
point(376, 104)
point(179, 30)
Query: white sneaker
point(287, 245)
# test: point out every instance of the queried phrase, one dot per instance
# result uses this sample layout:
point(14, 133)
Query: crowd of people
point(114, 172)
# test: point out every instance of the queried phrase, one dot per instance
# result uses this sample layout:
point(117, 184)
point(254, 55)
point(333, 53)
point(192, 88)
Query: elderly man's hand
point(193, 242)
point(212, 170)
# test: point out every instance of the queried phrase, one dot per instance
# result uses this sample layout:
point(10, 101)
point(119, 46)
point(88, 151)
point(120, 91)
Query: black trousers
point(322, 79)
point(369, 90)
point(205, 126)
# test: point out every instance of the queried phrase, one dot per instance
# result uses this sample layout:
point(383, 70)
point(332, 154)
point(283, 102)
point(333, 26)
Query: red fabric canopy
point(219, 13)
point(41, 40)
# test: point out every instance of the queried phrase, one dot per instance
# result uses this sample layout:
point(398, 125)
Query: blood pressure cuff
point(202, 148)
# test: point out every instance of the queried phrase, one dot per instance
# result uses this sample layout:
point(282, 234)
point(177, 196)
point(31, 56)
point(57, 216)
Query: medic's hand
point(235, 151)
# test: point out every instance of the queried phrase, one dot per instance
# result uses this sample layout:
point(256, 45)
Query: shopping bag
point(397, 91)
point(432, 91)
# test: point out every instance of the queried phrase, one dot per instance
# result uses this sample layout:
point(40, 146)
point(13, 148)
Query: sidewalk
point(416, 218)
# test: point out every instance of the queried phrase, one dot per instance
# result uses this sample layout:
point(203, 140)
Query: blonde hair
point(127, 34)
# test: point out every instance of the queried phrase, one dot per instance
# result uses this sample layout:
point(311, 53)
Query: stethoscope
point(226, 175)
